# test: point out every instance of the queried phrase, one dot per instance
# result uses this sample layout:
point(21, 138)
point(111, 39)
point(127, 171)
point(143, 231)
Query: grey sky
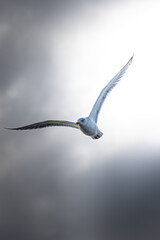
point(55, 183)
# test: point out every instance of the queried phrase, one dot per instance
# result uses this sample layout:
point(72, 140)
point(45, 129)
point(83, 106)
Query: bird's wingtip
point(130, 60)
point(132, 56)
point(10, 128)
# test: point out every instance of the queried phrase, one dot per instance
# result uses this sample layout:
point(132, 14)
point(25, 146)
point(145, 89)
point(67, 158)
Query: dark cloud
point(23, 49)
point(119, 200)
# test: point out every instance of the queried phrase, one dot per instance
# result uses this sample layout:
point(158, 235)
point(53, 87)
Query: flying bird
point(88, 125)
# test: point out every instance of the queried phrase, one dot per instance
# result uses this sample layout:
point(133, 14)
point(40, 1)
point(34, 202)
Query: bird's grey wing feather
point(98, 104)
point(48, 123)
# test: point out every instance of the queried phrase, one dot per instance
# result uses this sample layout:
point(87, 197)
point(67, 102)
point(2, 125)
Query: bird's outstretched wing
point(98, 104)
point(48, 123)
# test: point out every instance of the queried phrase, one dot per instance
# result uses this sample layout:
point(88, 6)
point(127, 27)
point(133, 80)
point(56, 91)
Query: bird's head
point(81, 121)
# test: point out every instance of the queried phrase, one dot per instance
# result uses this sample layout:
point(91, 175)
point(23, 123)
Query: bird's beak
point(77, 123)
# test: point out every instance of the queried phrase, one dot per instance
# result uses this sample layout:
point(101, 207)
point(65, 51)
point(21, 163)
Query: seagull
point(88, 125)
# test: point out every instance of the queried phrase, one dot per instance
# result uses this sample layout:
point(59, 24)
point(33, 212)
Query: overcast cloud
point(56, 183)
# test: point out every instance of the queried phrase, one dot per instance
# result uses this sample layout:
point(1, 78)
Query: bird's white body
point(87, 125)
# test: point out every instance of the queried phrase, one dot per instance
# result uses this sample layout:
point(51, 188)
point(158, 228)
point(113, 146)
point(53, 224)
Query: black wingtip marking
point(12, 128)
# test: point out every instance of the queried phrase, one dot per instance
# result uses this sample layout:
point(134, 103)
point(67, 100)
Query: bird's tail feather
point(99, 134)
